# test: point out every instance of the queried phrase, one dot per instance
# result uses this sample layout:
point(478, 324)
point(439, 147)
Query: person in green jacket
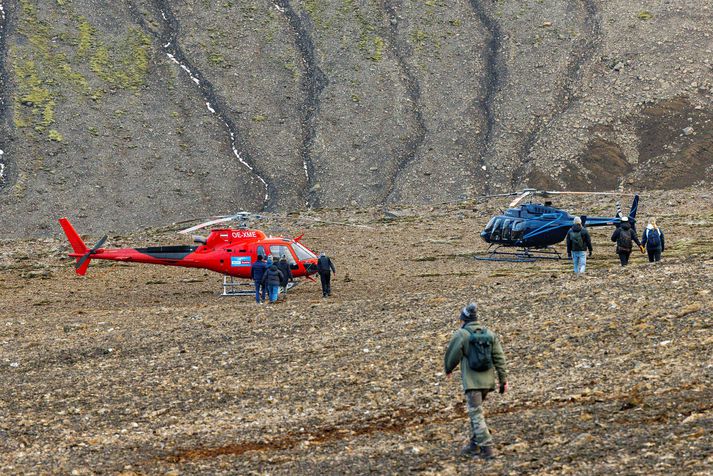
point(476, 385)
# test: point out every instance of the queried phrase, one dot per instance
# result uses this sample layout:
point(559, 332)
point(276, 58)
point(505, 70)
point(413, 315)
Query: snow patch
point(209, 107)
point(183, 66)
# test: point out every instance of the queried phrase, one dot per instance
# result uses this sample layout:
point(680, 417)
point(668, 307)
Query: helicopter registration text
point(244, 234)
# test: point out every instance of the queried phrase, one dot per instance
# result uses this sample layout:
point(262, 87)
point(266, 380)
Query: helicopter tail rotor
point(81, 251)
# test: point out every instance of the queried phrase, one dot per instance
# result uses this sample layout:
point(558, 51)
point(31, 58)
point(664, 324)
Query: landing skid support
point(522, 255)
point(233, 287)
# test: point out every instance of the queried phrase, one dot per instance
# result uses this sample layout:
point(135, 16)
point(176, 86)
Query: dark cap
point(470, 312)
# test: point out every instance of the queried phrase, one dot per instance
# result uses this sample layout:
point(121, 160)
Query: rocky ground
point(145, 370)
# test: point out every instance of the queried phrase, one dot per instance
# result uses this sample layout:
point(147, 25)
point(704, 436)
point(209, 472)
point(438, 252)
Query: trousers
point(579, 260)
point(325, 278)
point(654, 255)
point(272, 292)
point(259, 291)
point(479, 432)
point(624, 258)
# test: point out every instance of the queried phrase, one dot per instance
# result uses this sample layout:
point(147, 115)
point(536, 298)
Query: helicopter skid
point(523, 255)
point(233, 287)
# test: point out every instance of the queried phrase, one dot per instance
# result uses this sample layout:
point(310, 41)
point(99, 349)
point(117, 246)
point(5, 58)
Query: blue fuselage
point(533, 225)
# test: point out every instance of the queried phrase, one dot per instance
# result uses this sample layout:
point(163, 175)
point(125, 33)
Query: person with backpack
point(325, 268)
point(578, 242)
point(653, 240)
point(623, 237)
point(272, 279)
point(257, 272)
point(284, 268)
point(480, 355)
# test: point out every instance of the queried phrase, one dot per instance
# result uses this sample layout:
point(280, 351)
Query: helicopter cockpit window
point(277, 251)
point(507, 228)
point(261, 251)
point(496, 234)
point(489, 226)
point(518, 229)
point(302, 252)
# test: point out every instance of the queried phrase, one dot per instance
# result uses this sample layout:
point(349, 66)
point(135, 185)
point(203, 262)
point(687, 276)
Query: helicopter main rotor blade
point(524, 195)
point(203, 225)
point(340, 223)
point(562, 192)
point(243, 216)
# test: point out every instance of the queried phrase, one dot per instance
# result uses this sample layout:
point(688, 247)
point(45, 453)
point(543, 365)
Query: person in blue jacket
point(257, 271)
point(272, 279)
point(653, 240)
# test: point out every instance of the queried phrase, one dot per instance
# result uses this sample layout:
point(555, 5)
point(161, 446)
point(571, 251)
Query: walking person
point(578, 242)
point(325, 268)
point(480, 355)
point(257, 272)
point(272, 279)
point(623, 237)
point(653, 240)
point(284, 268)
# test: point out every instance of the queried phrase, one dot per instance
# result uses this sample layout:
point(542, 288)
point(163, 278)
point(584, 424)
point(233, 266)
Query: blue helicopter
point(533, 228)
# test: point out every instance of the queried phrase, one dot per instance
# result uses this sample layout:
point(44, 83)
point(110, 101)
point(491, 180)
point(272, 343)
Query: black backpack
point(480, 350)
point(623, 243)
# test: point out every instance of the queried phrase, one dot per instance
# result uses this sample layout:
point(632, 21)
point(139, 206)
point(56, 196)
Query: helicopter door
point(495, 234)
point(506, 230)
point(261, 252)
point(518, 229)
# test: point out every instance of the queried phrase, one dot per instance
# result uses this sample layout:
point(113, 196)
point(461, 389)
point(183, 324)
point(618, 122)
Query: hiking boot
point(486, 452)
point(471, 449)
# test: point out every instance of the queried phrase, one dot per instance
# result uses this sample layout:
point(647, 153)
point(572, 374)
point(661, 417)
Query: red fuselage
point(227, 251)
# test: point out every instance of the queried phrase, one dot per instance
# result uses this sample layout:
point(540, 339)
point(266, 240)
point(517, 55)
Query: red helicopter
point(229, 251)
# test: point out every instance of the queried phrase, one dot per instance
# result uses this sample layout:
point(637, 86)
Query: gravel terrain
point(145, 370)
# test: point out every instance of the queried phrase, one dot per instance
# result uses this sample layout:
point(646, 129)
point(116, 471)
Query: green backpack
point(577, 240)
point(480, 350)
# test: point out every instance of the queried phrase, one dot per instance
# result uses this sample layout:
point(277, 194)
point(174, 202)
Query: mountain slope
point(144, 112)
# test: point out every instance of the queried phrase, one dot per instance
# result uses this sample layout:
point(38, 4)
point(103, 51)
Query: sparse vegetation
point(216, 59)
point(42, 70)
point(378, 51)
point(124, 65)
point(55, 136)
